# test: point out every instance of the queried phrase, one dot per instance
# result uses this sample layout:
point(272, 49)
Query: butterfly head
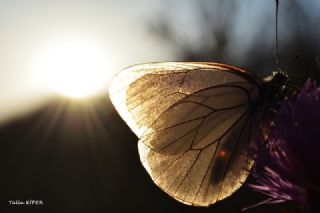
point(276, 83)
point(279, 77)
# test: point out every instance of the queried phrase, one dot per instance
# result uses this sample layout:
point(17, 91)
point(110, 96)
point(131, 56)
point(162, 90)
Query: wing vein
point(232, 150)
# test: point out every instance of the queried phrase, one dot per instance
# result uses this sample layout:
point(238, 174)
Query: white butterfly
point(195, 125)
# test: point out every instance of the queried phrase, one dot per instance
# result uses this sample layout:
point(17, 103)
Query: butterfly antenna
point(276, 40)
point(289, 61)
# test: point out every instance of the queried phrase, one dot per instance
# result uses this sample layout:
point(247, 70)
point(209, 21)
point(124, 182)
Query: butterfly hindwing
point(202, 177)
point(194, 122)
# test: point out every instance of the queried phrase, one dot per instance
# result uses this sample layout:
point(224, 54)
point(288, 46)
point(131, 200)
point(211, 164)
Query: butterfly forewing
point(194, 121)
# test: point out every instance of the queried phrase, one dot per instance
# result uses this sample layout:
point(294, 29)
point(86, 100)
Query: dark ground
point(81, 157)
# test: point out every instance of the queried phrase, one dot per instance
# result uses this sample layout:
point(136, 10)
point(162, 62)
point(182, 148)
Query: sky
point(38, 35)
point(45, 44)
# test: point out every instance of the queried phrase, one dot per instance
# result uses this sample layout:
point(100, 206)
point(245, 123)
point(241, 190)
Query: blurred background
point(63, 143)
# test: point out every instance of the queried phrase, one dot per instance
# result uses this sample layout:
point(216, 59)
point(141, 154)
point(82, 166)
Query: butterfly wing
point(194, 122)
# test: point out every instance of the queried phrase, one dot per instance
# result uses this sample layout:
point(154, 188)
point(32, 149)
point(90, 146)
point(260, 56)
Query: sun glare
point(75, 68)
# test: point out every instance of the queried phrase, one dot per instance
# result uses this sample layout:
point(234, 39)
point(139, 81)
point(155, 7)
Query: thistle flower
point(288, 162)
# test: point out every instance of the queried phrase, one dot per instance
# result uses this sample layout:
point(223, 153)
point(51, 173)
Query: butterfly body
point(196, 123)
point(274, 89)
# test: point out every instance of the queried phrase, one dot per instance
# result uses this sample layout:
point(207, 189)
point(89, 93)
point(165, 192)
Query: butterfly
point(196, 123)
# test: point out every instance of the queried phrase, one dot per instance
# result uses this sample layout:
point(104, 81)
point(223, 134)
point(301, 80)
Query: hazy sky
point(28, 29)
point(41, 41)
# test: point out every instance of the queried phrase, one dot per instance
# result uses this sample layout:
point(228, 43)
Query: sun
point(71, 67)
